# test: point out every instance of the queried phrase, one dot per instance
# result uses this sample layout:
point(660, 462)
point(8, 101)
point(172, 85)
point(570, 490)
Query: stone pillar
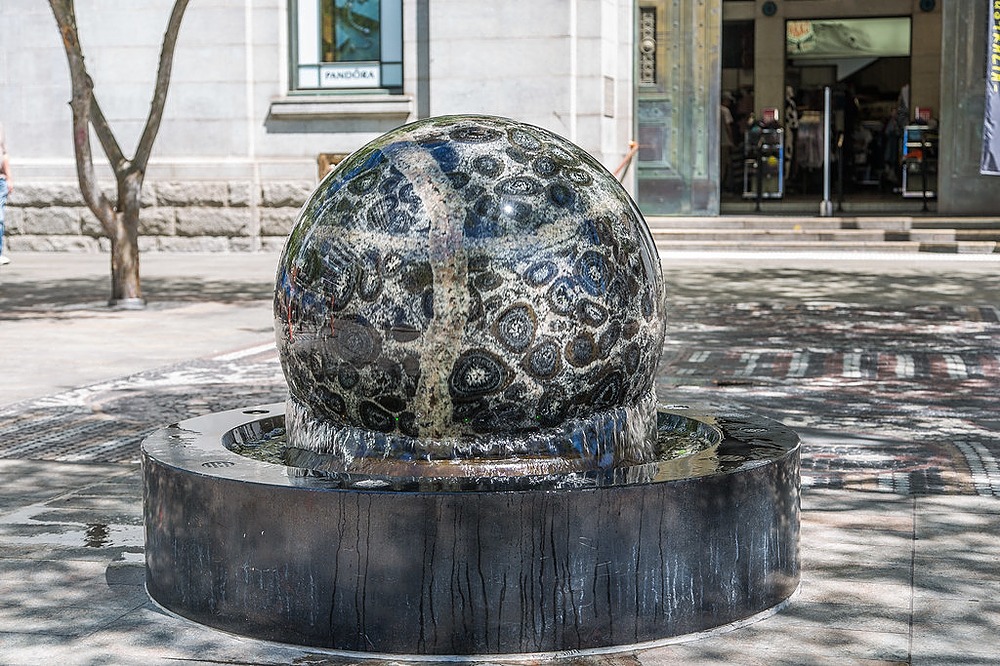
point(925, 60)
point(962, 190)
point(769, 60)
point(677, 106)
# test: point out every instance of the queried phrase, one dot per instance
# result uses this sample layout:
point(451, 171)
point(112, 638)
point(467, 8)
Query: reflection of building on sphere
point(463, 286)
point(351, 31)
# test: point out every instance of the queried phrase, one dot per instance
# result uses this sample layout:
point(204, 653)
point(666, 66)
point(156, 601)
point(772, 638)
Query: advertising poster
point(990, 164)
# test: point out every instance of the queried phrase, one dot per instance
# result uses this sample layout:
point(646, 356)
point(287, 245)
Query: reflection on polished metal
point(417, 565)
point(472, 459)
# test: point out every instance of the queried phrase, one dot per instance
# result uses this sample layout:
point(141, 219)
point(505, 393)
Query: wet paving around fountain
point(889, 397)
point(891, 377)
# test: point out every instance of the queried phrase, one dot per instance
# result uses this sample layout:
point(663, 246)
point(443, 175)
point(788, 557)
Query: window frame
point(307, 14)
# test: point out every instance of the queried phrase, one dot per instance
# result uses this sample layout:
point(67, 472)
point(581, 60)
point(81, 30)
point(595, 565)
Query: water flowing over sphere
point(470, 289)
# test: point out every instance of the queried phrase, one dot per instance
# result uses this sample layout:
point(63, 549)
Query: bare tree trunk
point(125, 286)
point(120, 221)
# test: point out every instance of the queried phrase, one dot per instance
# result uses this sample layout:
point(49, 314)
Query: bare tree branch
point(82, 94)
point(145, 146)
point(121, 220)
point(106, 136)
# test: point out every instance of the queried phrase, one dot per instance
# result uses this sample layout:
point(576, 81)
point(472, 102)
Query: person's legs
point(3, 206)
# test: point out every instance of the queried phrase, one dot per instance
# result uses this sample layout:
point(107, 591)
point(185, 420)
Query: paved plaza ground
point(887, 366)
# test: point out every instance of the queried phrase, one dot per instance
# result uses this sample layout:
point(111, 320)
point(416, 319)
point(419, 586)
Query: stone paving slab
point(56, 332)
point(885, 370)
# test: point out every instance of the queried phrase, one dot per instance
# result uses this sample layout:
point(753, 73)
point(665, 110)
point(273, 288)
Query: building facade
point(266, 94)
point(900, 72)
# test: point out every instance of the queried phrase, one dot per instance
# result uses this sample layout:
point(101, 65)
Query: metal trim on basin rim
point(267, 551)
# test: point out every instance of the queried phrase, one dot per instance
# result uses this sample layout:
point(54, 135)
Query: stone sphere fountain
point(472, 460)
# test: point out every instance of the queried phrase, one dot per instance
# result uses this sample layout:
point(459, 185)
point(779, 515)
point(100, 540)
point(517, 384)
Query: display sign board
point(990, 164)
point(349, 75)
point(832, 39)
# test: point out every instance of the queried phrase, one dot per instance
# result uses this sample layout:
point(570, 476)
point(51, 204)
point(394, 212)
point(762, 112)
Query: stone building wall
point(232, 216)
point(233, 117)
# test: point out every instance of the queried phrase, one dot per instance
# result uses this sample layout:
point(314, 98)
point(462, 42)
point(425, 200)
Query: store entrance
point(866, 65)
point(870, 110)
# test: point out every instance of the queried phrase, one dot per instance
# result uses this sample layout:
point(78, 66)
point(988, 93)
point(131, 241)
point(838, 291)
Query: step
point(750, 235)
point(978, 234)
point(811, 206)
point(886, 223)
point(785, 246)
point(962, 247)
point(774, 245)
point(923, 235)
point(743, 222)
point(888, 233)
point(961, 223)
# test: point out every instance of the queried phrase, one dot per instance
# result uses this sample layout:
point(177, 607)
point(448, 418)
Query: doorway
point(866, 64)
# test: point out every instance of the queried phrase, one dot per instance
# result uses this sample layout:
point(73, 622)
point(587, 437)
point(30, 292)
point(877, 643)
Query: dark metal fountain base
point(409, 566)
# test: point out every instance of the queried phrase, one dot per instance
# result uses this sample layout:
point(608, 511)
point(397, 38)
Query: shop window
point(346, 45)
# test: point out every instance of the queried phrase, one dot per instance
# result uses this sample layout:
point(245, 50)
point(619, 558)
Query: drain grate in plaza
point(106, 422)
point(72, 440)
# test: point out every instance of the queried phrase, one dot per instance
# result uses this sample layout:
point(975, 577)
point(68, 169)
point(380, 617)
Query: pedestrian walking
point(5, 188)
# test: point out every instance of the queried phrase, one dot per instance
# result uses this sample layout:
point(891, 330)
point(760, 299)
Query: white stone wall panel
point(53, 243)
point(278, 221)
point(51, 220)
point(158, 222)
point(285, 194)
point(226, 174)
point(191, 194)
point(201, 244)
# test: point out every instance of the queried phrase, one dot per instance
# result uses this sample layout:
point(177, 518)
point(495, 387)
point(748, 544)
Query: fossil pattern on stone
point(470, 286)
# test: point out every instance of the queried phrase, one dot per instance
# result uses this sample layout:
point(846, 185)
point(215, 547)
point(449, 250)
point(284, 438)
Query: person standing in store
point(5, 188)
point(726, 143)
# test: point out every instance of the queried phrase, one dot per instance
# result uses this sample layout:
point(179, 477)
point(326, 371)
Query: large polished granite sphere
point(469, 313)
point(472, 291)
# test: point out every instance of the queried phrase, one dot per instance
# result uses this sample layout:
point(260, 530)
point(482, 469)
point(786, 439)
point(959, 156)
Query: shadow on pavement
point(92, 293)
point(888, 285)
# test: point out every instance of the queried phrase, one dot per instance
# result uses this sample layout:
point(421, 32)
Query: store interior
point(866, 65)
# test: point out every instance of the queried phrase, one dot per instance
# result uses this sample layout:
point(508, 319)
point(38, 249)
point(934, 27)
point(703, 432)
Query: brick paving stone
point(890, 376)
point(914, 428)
point(106, 422)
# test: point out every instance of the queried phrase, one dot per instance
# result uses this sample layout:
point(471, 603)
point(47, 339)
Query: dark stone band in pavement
point(106, 422)
point(890, 399)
